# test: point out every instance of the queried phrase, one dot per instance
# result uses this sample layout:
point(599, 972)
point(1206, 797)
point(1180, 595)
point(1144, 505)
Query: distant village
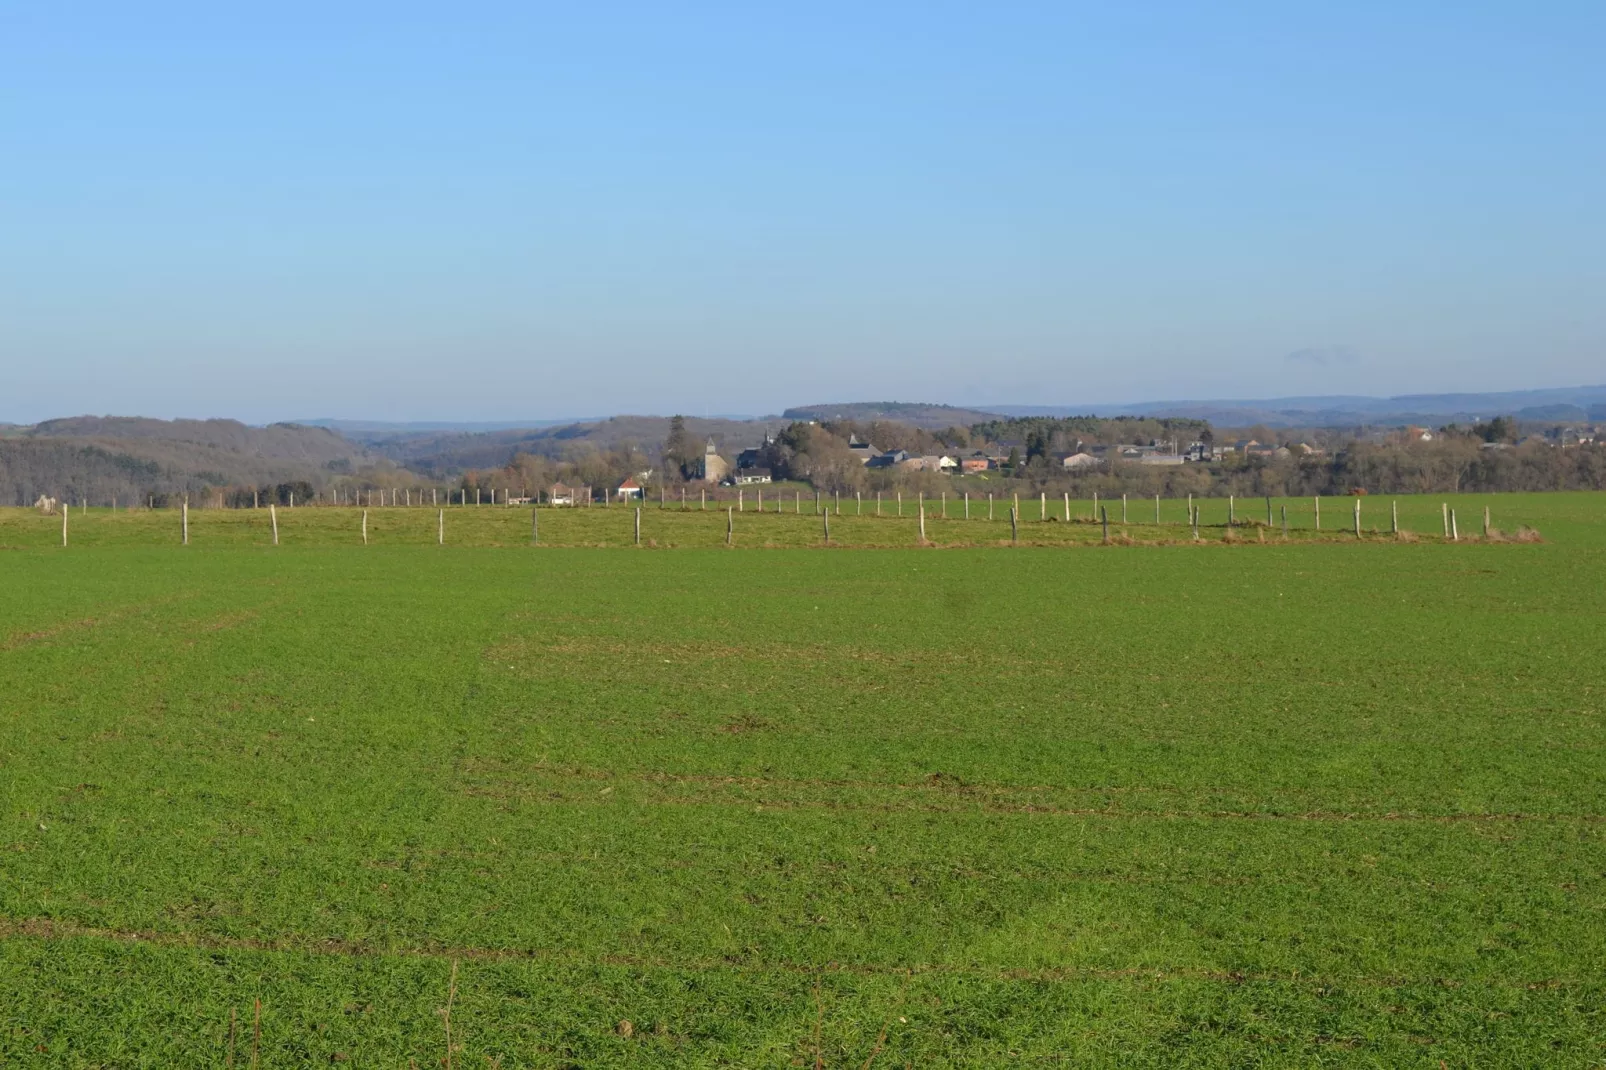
point(748, 469)
point(1250, 460)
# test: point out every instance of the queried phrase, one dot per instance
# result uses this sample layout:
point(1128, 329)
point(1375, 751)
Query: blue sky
point(500, 211)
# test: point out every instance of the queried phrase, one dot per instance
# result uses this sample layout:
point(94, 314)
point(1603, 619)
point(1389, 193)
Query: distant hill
point(931, 417)
point(287, 442)
point(373, 430)
point(1551, 405)
point(101, 457)
point(444, 453)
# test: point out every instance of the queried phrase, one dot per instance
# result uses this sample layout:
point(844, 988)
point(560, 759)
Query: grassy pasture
point(1309, 804)
point(669, 526)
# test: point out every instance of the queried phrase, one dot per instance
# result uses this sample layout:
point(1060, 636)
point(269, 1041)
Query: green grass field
point(791, 522)
point(1322, 802)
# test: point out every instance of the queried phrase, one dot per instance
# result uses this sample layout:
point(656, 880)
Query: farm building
point(862, 450)
point(890, 459)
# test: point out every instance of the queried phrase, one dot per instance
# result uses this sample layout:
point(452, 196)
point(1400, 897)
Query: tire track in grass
point(54, 929)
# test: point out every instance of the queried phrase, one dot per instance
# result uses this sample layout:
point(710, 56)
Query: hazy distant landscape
point(1302, 450)
point(827, 536)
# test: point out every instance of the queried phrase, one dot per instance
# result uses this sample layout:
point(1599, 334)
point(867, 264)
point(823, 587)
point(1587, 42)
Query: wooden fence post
point(989, 505)
point(1014, 525)
point(945, 505)
point(730, 525)
point(535, 526)
point(1157, 510)
point(1104, 517)
point(1486, 521)
point(878, 503)
point(1232, 511)
point(1095, 505)
point(740, 504)
point(1394, 517)
point(1455, 533)
point(967, 505)
point(1194, 511)
point(273, 518)
point(900, 503)
point(365, 527)
point(184, 518)
point(440, 527)
point(64, 511)
point(922, 523)
point(638, 525)
point(704, 506)
point(1285, 521)
point(1318, 512)
point(1357, 518)
point(1444, 510)
point(1067, 507)
point(1123, 507)
point(858, 498)
point(825, 522)
point(1268, 510)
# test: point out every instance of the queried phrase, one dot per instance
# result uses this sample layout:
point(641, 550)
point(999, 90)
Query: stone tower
point(713, 467)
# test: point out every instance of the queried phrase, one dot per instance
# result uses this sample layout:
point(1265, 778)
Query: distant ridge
point(442, 452)
point(1560, 404)
point(367, 428)
point(920, 414)
point(98, 458)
